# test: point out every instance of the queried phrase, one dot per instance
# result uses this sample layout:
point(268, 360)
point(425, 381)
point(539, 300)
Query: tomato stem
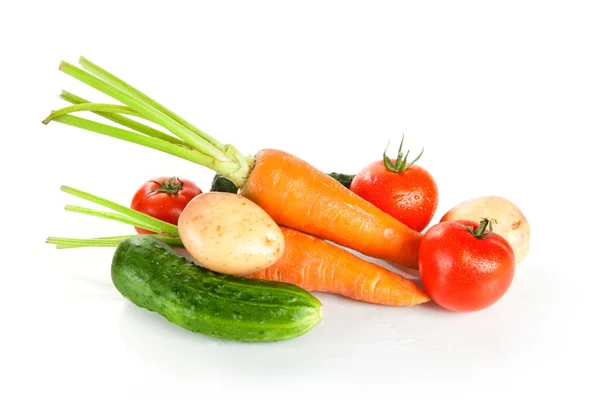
point(480, 232)
point(169, 186)
point(401, 164)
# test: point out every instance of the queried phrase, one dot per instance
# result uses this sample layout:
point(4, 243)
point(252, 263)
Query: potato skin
point(511, 223)
point(230, 234)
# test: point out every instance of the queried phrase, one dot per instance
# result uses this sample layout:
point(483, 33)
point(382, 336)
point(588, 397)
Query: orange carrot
point(293, 192)
point(315, 265)
point(297, 195)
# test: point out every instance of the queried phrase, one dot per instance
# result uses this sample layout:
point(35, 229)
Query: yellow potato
point(511, 223)
point(230, 234)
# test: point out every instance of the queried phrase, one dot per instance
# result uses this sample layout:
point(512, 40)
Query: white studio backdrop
point(503, 97)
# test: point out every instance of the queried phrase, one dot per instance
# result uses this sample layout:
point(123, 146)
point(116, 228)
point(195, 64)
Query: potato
point(230, 234)
point(511, 223)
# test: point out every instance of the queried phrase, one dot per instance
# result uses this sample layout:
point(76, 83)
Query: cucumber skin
point(222, 184)
point(153, 276)
point(344, 179)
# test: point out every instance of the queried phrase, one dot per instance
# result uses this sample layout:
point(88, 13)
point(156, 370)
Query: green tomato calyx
point(401, 164)
point(169, 186)
point(480, 232)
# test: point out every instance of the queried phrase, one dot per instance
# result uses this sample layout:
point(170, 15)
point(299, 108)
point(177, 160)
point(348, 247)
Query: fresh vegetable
point(315, 265)
point(512, 224)
point(298, 196)
point(464, 266)
point(344, 179)
point(222, 184)
point(307, 261)
point(400, 188)
point(228, 233)
point(155, 277)
point(166, 232)
point(292, 191)
point(164, 198)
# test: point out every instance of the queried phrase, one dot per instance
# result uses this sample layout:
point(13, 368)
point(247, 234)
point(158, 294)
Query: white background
point(503, 96)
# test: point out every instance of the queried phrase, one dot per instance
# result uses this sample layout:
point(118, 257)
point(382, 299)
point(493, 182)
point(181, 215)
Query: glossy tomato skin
point(410, 196)
point(161, 205)
point(461, 272)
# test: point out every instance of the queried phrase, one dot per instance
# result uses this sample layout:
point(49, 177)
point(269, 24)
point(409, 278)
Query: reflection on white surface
point(351, 336)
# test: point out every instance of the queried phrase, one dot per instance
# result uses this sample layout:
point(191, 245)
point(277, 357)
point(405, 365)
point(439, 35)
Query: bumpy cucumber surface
point(153, 276)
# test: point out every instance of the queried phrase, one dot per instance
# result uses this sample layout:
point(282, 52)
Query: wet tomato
point(465, 267)
point(406, 191)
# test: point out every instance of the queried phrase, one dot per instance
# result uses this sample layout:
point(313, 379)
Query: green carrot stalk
point(165, 231)
point(95, 107)
point(156, 224)
point(112, 241)
point(199, 147)
point(124, 121)
point(112, 216)
point(122, 85)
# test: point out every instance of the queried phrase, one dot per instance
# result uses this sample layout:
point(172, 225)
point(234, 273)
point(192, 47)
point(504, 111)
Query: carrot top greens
point(166, 232)
point(183, 139)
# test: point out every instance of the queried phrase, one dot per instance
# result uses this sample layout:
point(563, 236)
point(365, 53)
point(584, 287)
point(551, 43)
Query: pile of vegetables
point(273, 228)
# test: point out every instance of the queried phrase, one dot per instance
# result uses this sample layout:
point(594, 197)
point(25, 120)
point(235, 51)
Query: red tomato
point(407, 192)
point(164, 198)
point(464, 270)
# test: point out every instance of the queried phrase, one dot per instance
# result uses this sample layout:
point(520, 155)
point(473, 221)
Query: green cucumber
point(153, 276)
point(222, 184)
point(344, 179)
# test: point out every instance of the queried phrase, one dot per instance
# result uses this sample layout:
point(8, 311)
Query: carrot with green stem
point(293, 192)
point(308, 262)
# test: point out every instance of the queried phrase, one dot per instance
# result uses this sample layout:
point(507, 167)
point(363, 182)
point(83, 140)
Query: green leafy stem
point(183, 139)
point(164, 231)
